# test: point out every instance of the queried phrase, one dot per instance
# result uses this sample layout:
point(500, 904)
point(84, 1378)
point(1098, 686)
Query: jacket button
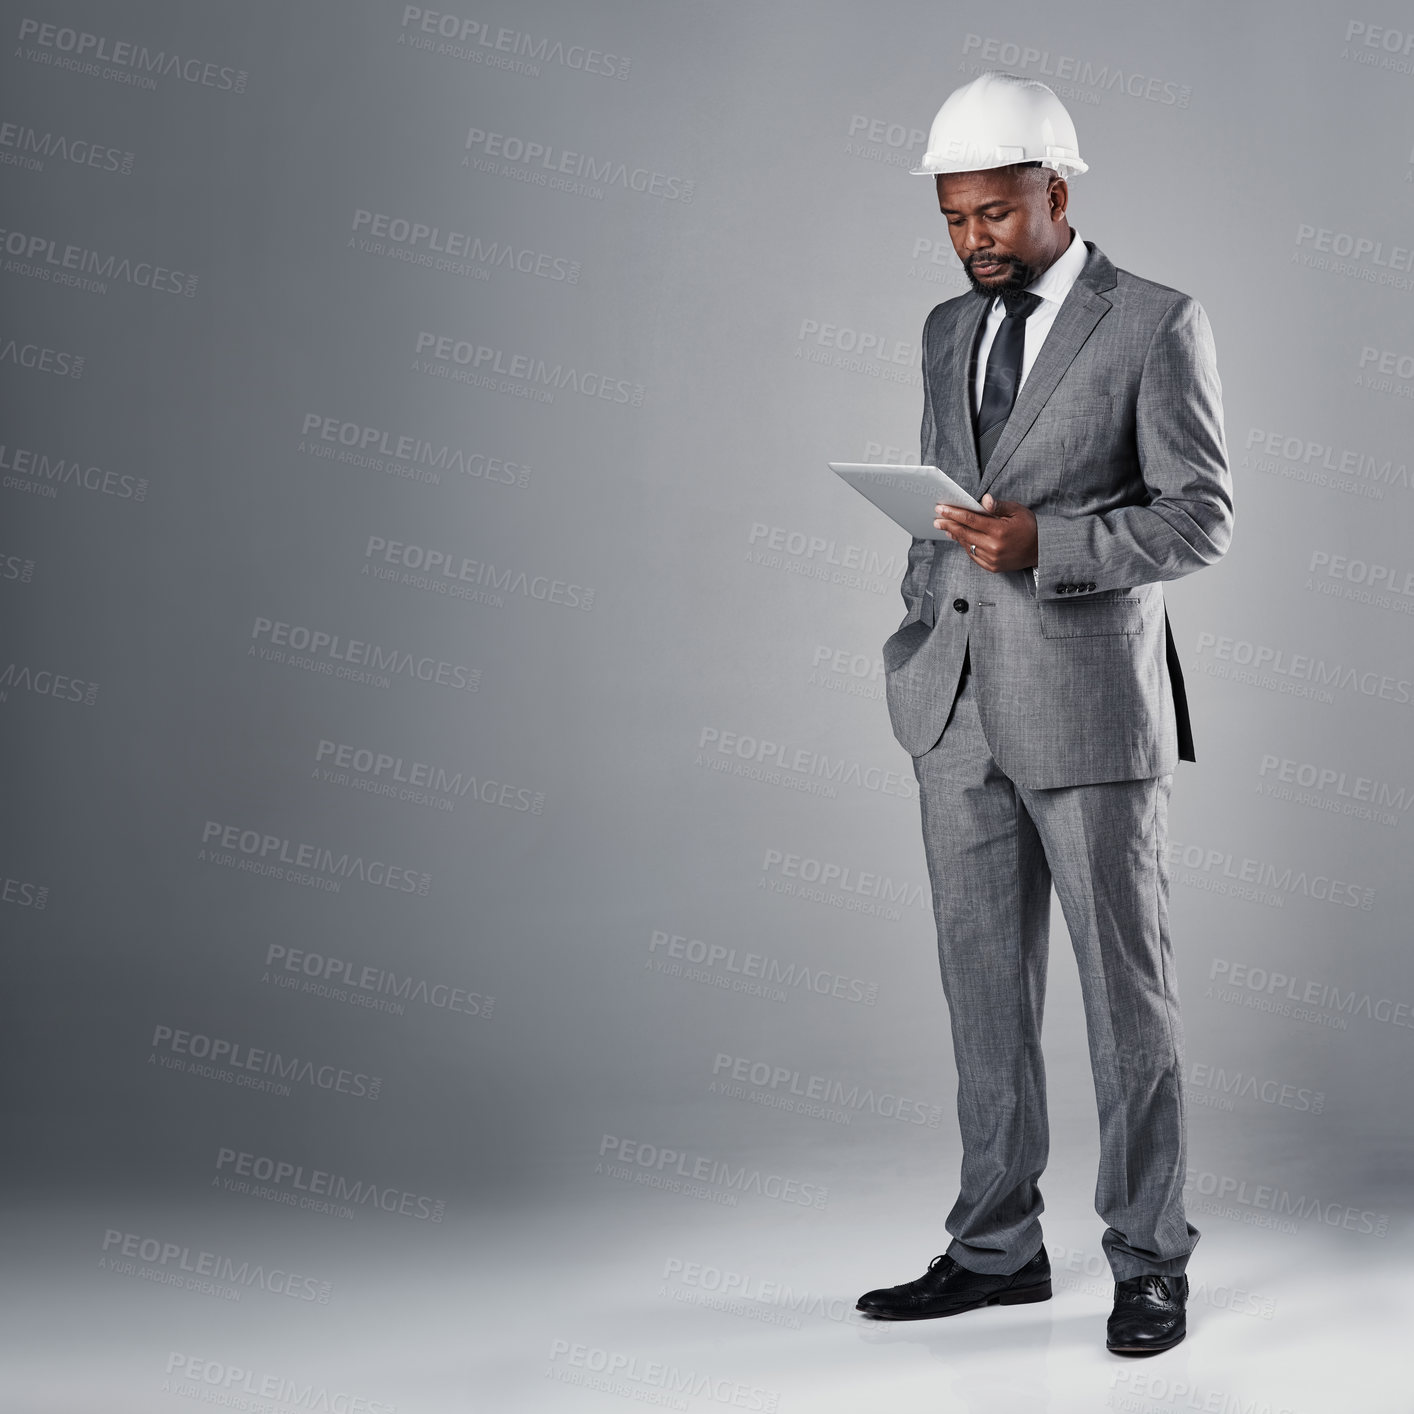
point(960, 605)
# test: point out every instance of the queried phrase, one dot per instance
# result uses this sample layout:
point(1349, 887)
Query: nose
point(976, 236)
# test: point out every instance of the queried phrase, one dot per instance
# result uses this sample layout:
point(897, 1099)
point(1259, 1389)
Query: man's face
point(1007, 225)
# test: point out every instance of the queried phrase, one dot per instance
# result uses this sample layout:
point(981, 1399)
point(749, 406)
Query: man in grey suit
point(1034, 682)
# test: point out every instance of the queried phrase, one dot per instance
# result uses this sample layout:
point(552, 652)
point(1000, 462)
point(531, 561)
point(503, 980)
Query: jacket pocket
point(1086, 618)
point(1098, 410)
point(901, 646)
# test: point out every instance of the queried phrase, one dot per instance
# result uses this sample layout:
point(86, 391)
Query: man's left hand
point(1003, 539)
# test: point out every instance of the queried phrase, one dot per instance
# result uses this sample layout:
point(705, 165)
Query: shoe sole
point(1140, 1350)
point(1021, 1296)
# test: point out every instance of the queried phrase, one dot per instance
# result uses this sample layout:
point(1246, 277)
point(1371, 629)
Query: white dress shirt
point(1053, 285)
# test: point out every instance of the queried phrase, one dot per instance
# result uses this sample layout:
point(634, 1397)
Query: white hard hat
point(996, 120)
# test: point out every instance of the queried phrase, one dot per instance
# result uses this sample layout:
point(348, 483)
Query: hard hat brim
point(1062, 167)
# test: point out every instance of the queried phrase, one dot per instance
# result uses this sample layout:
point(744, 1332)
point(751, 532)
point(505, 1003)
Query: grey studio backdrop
point(453, 837)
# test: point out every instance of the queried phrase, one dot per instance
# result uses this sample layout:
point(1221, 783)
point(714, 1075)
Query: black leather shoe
point(947, 1288)
point(1148, 1315)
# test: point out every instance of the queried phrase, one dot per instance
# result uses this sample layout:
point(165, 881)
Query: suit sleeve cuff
point(1063, 567)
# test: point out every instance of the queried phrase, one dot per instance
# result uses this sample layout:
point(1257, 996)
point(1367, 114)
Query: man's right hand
point(1003, 539)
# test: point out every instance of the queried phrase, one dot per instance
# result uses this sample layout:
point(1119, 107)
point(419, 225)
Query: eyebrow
point(995, 201)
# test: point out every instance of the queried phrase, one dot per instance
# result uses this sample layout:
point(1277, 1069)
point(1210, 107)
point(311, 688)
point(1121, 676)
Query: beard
point(1017, 274)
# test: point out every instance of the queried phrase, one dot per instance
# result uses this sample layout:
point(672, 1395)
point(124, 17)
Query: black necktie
point(1003, 375)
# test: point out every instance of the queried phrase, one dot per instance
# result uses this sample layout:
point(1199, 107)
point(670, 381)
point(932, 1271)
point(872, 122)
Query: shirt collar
point(1054, 282)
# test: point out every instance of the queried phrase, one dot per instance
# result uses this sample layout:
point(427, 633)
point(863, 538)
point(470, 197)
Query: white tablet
point(907, 494)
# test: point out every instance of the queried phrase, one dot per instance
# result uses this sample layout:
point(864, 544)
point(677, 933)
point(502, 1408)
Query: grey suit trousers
point(994, 847)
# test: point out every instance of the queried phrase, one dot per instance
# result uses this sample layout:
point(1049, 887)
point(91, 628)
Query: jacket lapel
point(955, 422)
point(1081, 310)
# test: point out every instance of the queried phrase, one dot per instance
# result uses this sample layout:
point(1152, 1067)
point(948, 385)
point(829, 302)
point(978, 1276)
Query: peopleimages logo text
point(543, 157)
point(26, 146)
point(424, 239)
point(804, 761)
point(698, 1167)
point(44, 254)
point(216, 1382)
point(88, 49)
point(475, 39)
point(469, 358)
point(379, 980)
point(271, 850)
point(64, 471)
point(235, 1056)
point(321, 1184)
point(382, 772)
point(325, 649)
point(172, 1259)
point(452, 565)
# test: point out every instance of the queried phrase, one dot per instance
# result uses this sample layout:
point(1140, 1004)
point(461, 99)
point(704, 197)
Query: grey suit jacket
point(1116, 443)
